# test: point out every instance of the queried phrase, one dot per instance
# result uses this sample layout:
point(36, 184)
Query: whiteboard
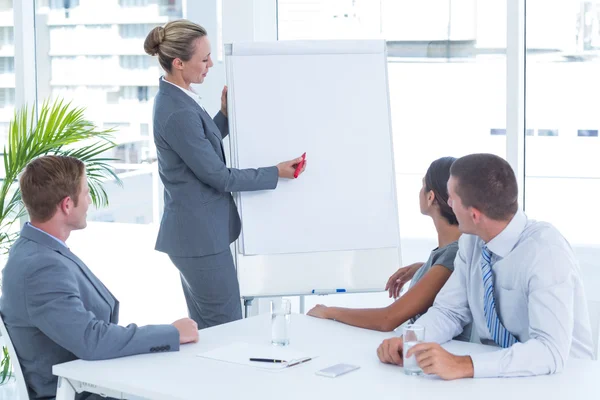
point(337, 225)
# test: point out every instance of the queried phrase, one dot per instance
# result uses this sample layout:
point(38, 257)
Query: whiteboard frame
point(250, 291)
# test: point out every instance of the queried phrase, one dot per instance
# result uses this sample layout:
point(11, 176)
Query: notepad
point(240, 353)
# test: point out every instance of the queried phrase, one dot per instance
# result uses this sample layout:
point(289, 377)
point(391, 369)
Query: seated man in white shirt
point(515, 279)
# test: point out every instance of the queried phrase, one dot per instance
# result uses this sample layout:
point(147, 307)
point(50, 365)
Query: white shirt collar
point(190, 93)
point(46, 233)
point(506, 240)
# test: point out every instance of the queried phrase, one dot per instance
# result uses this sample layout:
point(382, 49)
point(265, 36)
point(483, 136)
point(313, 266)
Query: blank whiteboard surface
point(335, 108)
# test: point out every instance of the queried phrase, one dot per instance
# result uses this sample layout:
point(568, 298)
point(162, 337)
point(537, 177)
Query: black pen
point(270, 360)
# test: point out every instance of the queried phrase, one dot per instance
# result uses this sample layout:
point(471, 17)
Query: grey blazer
point(200, 217)
point(56, 310)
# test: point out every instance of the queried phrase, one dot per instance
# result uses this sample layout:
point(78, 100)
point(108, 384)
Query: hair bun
point(154, 39)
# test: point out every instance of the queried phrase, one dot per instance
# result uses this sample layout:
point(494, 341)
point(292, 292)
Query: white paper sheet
point(240, 353)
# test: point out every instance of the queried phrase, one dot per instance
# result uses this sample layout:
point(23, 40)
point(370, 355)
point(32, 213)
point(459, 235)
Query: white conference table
point(184, 376)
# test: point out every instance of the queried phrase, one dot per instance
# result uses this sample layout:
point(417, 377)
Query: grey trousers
point(211, 288)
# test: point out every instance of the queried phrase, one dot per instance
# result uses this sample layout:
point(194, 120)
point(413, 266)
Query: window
point(587, 132)
point(136, 31)
point(136, 62)
point(7, 65)
point(171, 8)
point(144, 129)
point(547, 132)
point(113, 97)
point(62, 4)
point(7, 36)
point(563, 174)
point(129, 94)
point(128, 153)
point(7, 97)
point(142, 93)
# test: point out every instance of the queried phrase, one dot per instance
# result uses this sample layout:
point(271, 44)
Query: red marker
point(299, 166)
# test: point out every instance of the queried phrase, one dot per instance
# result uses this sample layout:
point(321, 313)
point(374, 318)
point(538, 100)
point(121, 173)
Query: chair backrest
point(20, 380)
point(594, 310)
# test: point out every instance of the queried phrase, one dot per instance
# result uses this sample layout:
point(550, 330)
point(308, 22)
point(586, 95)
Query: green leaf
point(5, 364)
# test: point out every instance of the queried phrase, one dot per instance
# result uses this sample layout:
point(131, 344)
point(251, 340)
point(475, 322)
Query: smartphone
point(337, 370)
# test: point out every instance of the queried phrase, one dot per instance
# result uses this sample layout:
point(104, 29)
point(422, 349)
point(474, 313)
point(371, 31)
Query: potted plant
point(57, 128)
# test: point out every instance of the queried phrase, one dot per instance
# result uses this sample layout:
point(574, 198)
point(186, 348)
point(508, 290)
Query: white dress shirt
point(539, 299)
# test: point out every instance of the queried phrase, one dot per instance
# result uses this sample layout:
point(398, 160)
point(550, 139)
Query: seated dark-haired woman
point(427, 278)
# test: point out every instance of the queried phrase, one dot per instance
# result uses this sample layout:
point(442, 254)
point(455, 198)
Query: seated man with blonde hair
point(55, 309)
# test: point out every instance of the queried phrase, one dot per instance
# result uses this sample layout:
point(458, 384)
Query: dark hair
point(46, 181)
point(487, 183)
point(436, 180)
point(174, 40)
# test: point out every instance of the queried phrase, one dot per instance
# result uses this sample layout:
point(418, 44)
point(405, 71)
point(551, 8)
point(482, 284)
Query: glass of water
point(280, 322)
point(411, 335)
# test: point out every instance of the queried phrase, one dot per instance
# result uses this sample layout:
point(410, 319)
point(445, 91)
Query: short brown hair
point(174, 40)
point(46, 181)
point(487, 183)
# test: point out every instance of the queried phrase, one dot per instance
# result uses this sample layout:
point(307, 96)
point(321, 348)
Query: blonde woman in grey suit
point(200, 219)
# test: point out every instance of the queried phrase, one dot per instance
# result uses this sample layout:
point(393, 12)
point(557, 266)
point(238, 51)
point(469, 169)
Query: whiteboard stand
point(247, 305)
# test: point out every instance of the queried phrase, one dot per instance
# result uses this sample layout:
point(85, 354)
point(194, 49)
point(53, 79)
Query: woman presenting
point(200, 219)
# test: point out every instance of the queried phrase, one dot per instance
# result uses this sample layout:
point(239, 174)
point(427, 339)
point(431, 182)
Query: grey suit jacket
point(200, 216)
point(56, 310)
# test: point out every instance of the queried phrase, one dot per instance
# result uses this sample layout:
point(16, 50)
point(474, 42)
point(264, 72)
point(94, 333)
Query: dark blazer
point(200, 217)
point(56, 310)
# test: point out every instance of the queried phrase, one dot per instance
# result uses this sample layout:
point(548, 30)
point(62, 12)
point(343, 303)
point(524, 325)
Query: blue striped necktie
point(499, 333)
